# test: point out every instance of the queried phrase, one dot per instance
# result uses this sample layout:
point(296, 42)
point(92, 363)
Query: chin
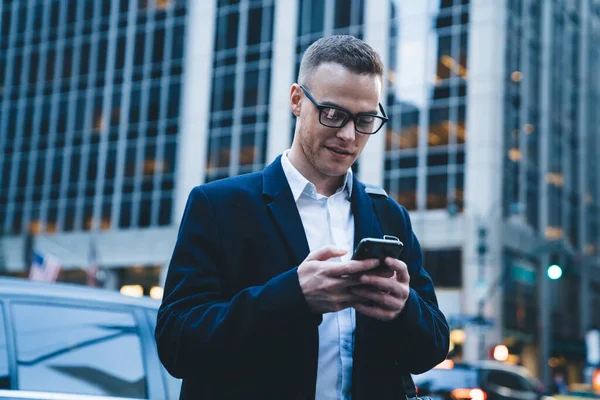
point(336, 170)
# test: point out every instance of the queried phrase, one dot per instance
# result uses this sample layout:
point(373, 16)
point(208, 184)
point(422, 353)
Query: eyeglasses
point(336, 117)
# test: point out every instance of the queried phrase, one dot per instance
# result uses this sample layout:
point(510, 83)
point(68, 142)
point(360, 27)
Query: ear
point(295, 99)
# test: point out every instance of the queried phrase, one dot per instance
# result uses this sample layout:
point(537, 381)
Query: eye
point(365, 120)
point(332, 114)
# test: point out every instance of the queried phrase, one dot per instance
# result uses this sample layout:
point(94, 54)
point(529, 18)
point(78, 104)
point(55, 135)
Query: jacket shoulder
point(374, 190)
point(240, 183)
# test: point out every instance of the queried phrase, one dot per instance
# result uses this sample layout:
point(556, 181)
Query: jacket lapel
point(280, 201)
point(366, 223)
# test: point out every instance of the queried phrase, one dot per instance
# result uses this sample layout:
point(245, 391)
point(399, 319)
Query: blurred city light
point(469, 394)
point(458, 336)
point(553, 362)
point(596, 380)
point(554, 272)
point(501, 353)
point(529, 128)
point(132, 290)
point(156, 292)
point(477, 394)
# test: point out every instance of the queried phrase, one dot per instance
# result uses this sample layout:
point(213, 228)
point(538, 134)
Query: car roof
point(489, 364)
point(25, 287)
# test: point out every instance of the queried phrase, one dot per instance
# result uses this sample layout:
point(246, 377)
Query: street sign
point(524, 272)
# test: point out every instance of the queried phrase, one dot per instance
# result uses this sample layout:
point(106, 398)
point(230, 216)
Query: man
point(262, 299)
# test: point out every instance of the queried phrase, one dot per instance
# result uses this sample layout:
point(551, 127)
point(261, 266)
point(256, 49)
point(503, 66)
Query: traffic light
point(554, 272)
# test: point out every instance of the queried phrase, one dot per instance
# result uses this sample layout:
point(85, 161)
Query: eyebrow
point(331, 103)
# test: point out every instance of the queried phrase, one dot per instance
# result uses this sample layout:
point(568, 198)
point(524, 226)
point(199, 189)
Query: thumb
point(326, 253)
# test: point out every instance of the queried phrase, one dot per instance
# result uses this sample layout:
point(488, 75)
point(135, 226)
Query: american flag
point(45, 267)
point(92, 269)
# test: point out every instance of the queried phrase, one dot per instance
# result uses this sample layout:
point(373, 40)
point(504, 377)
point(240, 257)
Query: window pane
point(407, 193)
point(83, 351)
point(444, 267)
point(437, 191)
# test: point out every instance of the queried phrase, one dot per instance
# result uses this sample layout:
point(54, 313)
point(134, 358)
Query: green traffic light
point(554, 272)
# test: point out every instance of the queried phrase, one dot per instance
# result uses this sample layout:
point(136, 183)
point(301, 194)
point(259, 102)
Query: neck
point(325, 185)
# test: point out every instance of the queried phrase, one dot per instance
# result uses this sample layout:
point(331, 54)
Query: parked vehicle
point(579, 391)
point(577, 396)
point(486, 380)
point(63, 341)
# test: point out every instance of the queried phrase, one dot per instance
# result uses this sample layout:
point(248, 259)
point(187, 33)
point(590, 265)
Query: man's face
point(329, 152)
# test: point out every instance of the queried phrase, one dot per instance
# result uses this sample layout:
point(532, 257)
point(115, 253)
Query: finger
point(347, 297)
point(383, 270)
point(353, 267)
point(400, 268)
point(385, 300)
point(380, 284)
point(374, 311)
point(326, 253)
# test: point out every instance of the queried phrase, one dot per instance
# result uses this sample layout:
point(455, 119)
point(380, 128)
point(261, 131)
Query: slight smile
point(339, 152)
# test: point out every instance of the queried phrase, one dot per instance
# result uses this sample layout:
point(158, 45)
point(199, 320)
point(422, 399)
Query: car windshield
point(446, 379)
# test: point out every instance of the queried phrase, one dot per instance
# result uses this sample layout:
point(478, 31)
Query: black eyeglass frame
point(350, 116)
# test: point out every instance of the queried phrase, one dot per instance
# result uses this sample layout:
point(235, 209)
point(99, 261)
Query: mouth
point(339, 152)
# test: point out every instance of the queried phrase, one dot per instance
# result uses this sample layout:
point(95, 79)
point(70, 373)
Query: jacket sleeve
point(422, 331)
point(198, 328)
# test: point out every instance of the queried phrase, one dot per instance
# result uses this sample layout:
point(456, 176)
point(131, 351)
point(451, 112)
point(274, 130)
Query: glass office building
point(112, 111)
point(89, 98)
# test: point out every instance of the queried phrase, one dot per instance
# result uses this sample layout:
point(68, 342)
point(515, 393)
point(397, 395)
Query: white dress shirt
point(328, 220)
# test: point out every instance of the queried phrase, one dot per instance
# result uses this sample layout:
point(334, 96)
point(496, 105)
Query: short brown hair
point(352, 53)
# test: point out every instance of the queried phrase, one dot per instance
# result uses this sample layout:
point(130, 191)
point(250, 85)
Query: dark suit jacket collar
point(366, 223)
point(280, 200)
point(274, 181)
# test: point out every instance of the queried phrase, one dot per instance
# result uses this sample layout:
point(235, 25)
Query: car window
point(4, 374)
point(506, 379)
point(78, 350)
point(446, 379)
point(529, 385)
point(173, 384)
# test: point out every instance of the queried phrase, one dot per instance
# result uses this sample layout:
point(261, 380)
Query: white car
point(63, 341)
point(484, 380)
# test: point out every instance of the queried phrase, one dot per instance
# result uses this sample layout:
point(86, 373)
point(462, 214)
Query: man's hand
point(326, 284)
point(388, 295)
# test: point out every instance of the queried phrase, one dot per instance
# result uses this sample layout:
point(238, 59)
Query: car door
point(506, 385)
point(77, 349)
point(5, 381)
point(172, 384)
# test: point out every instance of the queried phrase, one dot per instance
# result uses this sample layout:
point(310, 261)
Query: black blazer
point(234, 323)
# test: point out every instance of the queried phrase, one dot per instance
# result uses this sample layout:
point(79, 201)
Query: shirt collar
point(299, 184)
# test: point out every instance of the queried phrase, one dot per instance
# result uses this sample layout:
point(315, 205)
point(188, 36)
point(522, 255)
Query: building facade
point(112, 111)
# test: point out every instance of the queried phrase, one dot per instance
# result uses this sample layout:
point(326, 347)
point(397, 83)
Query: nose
point(347, 132)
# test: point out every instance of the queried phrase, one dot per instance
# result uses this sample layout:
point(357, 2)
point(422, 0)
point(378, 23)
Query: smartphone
point(389, 246)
